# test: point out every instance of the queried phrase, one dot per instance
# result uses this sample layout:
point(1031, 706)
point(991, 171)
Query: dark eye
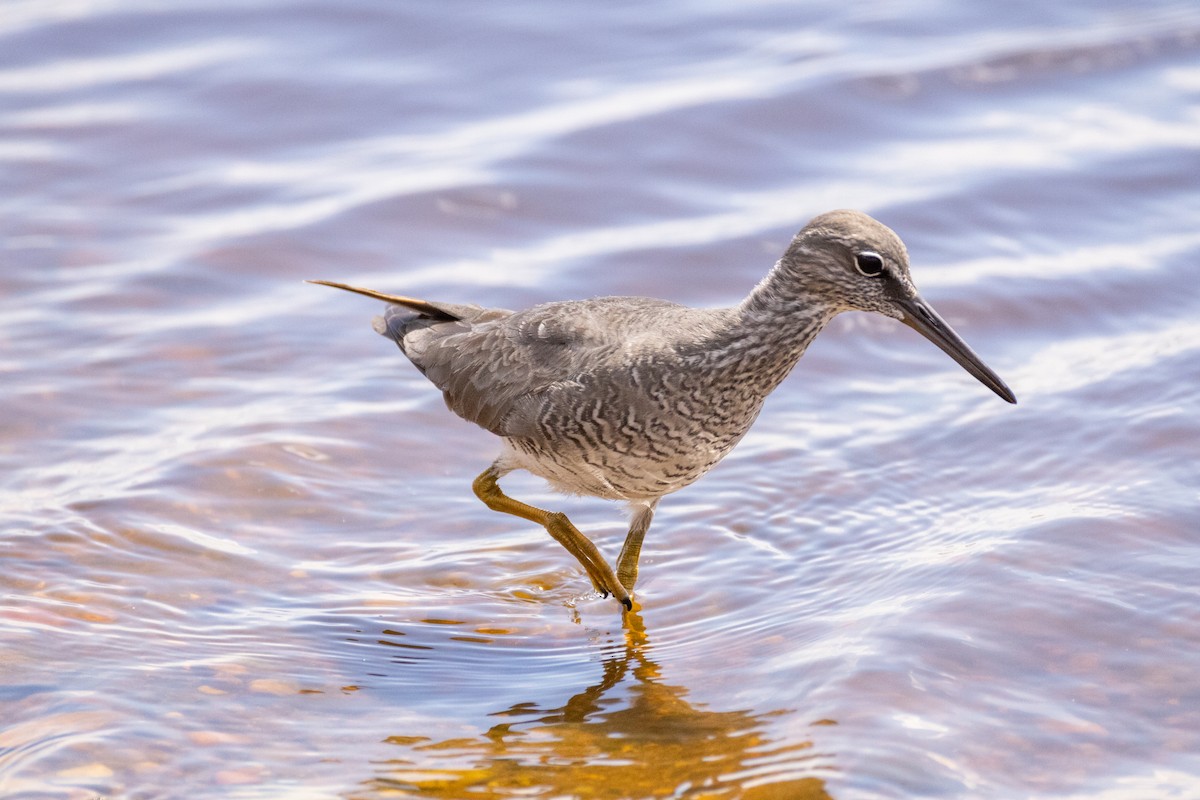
point(869, 264)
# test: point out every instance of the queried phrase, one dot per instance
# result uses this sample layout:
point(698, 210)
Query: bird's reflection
point(628, 735)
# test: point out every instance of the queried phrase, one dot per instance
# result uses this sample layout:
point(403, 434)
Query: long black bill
point(921, 317)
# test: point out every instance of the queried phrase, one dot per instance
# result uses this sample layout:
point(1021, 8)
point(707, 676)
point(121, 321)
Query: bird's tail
point(422, 307)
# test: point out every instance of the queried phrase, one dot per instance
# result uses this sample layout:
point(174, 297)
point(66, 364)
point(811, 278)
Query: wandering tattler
point(631, 398)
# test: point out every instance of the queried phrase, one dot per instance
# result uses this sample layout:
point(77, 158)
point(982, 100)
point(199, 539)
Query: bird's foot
point(624, 599)
point(604, 580)
point(619, 594)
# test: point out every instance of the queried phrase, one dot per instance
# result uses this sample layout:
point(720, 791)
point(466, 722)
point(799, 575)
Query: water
point(239, 555)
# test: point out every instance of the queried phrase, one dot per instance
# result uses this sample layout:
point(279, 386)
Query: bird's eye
point(869, 264)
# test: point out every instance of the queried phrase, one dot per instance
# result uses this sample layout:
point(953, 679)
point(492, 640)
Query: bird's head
point(857, 263)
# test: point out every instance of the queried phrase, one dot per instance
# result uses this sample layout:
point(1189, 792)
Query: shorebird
point(631, 398)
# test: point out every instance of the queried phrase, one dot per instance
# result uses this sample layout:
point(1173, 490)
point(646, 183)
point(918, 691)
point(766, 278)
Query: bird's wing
point(493, 366)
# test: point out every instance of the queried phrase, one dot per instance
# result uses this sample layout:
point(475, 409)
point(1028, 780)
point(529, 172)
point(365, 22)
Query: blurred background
point(239, 553)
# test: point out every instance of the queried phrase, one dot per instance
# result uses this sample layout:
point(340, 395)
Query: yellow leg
point(627, 562)
point(487, 489)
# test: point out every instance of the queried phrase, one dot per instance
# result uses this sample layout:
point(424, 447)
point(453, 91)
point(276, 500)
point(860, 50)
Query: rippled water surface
point(239, 554)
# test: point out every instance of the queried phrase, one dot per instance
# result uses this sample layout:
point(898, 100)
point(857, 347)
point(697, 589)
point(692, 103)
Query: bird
point(634, 398)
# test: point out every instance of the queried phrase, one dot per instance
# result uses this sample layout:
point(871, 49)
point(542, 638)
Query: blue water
point(239, 554)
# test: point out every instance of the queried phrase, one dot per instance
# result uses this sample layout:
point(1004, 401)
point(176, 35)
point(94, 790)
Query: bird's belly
point(630, 437)
point(602, 472)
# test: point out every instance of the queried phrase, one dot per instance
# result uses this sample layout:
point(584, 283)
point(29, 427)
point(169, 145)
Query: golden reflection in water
point(644, 740)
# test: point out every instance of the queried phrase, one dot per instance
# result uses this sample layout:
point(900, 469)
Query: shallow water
point(239, 555)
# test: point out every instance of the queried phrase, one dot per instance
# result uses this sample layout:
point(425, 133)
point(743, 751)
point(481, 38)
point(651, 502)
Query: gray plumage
point(631, 398)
